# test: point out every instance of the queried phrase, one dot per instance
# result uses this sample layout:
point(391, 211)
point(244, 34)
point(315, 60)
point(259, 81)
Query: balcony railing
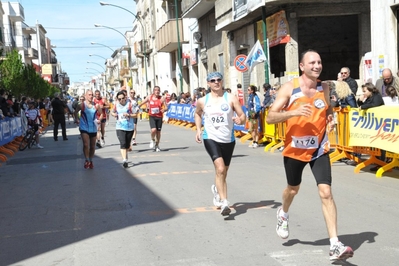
point(166, 37)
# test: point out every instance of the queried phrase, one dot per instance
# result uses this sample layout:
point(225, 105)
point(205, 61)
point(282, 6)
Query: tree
point(11, 70)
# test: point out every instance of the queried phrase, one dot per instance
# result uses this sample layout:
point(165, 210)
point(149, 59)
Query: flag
point(255, 56)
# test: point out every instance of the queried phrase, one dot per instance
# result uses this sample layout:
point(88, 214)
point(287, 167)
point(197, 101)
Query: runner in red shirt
point(157, 107)
point(104, 105)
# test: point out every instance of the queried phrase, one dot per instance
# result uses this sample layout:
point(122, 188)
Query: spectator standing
point(267, 97)
point(240, 94)
point(23, 108)
point(218, 108)
point(59, 107)
point(343, 96)
point(254, 108)
point(305, 108)
point(345, 76)
point(3, 103)
point(386, 80)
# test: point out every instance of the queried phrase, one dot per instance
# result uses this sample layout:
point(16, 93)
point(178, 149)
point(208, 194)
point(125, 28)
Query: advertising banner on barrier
point(376, 127)
point(10, 128)
point(185, 112)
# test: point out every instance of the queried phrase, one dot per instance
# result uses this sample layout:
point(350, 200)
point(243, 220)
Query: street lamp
point(96, 43)
point(89, 62)
point(98, 56)
point(95, 70)
point(144, 37)
point(129, 51)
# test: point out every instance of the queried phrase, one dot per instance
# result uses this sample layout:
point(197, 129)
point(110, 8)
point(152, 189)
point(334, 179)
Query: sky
point(70, 27)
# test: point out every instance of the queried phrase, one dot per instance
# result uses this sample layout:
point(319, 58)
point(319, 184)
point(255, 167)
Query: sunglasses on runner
point(214, 80)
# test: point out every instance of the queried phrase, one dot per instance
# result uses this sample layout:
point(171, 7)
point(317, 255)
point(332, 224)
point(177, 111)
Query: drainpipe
point(178, 46)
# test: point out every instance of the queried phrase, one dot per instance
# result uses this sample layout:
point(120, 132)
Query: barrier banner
point(10, 128)
point(376, 127)
point(182, 112)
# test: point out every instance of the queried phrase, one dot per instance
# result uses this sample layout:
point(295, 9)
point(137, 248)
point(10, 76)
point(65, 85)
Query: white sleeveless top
point(218, 121)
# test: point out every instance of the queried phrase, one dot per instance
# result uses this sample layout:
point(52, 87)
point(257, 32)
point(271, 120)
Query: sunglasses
point(121, 98)
point(214, 80)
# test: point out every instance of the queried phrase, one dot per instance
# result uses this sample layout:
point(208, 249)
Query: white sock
point(283, 214)
point(333, 241)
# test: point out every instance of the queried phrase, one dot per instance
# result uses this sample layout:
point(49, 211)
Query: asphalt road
point(159, 211)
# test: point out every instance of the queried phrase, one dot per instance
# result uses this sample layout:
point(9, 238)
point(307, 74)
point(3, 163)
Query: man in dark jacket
point(59, 116)
point(345, 74)
point(3, 103)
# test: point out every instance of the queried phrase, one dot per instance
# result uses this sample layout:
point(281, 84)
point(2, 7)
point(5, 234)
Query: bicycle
point(29, 139)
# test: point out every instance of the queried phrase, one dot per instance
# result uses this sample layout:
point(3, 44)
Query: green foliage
point(11, 70)
point(19, 79)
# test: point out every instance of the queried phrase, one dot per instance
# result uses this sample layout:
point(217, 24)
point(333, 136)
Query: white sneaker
point(134, 143)
point(340, 252)
point(157, 149)
point(152, 143)
point(282, 226)
point(254, 145)
point(216, 197)
point(102, 143)
point(225, 209)
point(39, 146)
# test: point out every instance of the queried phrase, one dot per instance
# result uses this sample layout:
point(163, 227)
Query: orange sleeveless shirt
point(306, 137)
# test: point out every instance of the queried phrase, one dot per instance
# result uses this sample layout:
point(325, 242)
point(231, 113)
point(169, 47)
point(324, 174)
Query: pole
point(178, 46)
point(265, 44)
point(144, 37)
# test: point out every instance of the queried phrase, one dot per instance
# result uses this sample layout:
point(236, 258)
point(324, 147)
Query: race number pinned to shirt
point(305, 142)
point(218, 119)
point(154, 110)
point(121, 117)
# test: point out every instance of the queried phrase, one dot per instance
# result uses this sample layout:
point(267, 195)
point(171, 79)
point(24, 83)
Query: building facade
point(176, 43)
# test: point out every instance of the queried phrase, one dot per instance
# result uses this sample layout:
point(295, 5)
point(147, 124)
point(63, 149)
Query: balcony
point(16, 11)
point(196, 8)
point(141, 48)
point(166, 37)
point(31, 53)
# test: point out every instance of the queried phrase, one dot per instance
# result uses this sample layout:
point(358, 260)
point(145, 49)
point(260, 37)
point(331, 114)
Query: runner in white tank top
point(218, 109)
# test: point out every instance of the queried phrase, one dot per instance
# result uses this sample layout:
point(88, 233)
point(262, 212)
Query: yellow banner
point(376, 127)
point(277, 29)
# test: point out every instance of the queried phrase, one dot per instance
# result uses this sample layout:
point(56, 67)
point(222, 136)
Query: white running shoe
point(39, 146)
point(157, 149)
point(102, 143)
point(282, 226)
point(216, 197)
point(254, 145)
point(340, 252)
point(225, 209)
point(152, 143)
point(134, 143)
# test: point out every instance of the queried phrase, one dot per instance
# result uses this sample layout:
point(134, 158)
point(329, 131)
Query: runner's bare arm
point(198, 119)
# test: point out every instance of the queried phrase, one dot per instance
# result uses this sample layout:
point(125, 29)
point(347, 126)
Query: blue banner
point(10, 128)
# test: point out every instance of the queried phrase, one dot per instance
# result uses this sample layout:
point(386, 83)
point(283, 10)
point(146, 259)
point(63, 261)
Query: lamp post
point(89, 62)
point(98, 56)
point(96, 43)
point(129, 51)
point(144, 37)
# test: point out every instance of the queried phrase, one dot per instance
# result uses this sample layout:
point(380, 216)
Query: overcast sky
point(70, 27)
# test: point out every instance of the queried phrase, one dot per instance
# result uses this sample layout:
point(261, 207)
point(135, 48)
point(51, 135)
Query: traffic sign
point(239, 62)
